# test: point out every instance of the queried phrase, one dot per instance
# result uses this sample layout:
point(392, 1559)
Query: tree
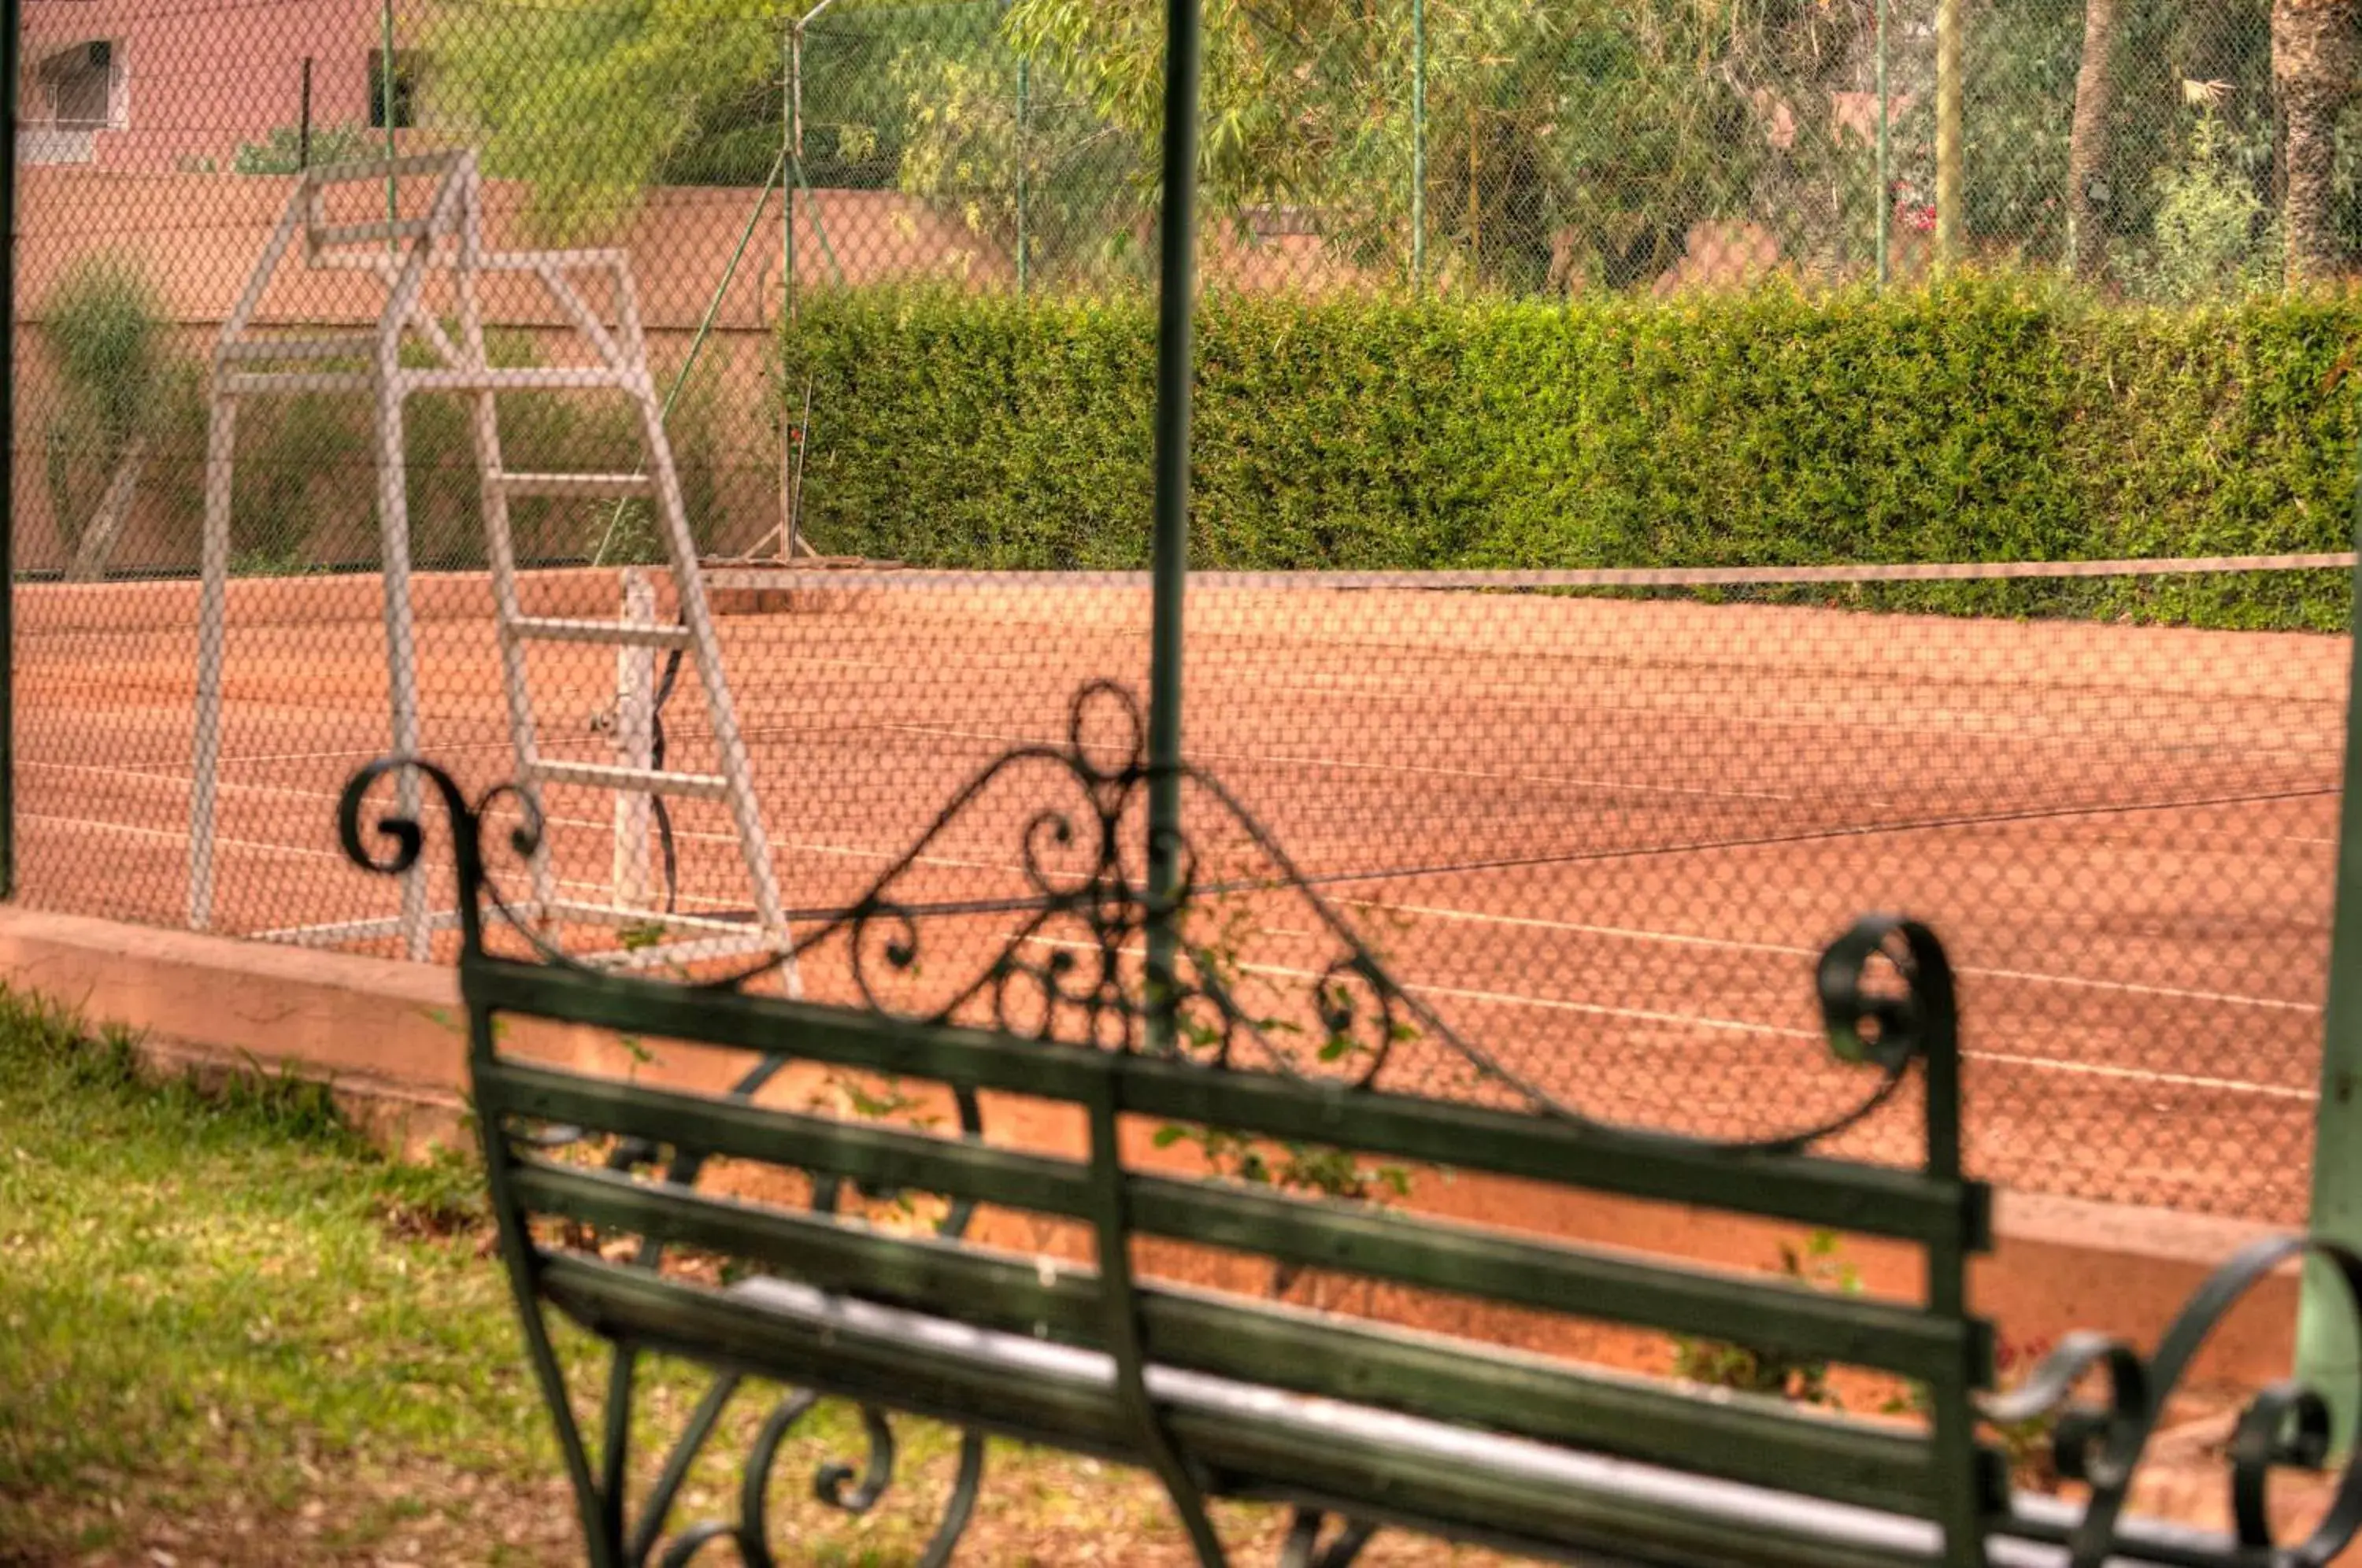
point(591, 103)
point(2314, 54)
point(2087, 148)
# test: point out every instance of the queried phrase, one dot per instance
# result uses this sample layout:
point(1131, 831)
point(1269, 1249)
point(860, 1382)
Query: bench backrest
point(1934, 1474)
point(1155, 1069)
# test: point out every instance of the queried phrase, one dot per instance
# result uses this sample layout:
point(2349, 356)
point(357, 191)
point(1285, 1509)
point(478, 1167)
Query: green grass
point(232, 1332)
point(206, 1296)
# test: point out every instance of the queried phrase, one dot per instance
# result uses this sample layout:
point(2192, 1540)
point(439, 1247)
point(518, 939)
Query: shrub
point(120, 385)
point(1980, 419)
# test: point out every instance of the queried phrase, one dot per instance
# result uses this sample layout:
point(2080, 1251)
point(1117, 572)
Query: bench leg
point(1302, 1549)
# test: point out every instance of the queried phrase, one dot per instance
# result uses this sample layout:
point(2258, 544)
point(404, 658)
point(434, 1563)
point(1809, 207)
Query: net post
point(635, 673)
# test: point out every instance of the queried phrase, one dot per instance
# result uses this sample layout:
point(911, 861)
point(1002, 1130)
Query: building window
point(404, 87)
point(83, 86)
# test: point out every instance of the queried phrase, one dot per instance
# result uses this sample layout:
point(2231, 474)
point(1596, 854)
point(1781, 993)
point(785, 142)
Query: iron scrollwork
point(1071, 966)
point(2285, 1427)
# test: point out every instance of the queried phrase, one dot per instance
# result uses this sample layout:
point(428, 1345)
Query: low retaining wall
point(390, 1037)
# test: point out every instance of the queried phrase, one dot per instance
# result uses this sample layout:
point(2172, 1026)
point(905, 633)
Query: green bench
point(1352, 1424)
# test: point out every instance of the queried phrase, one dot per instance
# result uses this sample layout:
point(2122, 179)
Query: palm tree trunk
point(2314, 53)
point(2087, 144)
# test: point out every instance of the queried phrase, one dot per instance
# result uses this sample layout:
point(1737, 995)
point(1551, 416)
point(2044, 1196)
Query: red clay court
point(1603, 837)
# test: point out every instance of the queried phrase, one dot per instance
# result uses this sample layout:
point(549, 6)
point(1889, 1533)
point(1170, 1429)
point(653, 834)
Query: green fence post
point(1419, 144)
point(1950, 178)
point(2328, 1358)
point(790, 134)
point(1169, 555)
point(9, 17)
point(1024, 96)
point(1885, 206)
point(385, 105)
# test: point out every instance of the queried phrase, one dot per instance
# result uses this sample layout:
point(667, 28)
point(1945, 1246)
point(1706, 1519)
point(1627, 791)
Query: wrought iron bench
point(1352, 1423)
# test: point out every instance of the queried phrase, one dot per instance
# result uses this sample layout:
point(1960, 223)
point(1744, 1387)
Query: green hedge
point(1982, 420)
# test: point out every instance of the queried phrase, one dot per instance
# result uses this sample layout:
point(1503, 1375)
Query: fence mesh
point(1482, 305)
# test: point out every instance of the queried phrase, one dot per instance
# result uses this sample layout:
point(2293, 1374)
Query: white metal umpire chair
point(404, 252)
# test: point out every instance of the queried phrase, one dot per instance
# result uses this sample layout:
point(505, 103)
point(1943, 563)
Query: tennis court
point(1602, 837)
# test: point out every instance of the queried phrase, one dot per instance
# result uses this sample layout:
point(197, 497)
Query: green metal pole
point(1949, 180)
point(385, 103)
point(1024, 104)
point(1885, 155)
point(791, 137)
point(704, 331)
point(1419, 144)
point(9, 18)
point(1169, 554)
point(2327, 1354)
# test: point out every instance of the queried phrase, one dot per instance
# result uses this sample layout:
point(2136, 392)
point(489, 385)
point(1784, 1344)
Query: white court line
point(1677, 939)
point(2142, 1075)
point(1547, 779)
point(2040, 1064)
point(1626, 933)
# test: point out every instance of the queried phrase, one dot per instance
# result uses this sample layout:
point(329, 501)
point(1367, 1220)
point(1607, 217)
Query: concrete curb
point(389, 1036)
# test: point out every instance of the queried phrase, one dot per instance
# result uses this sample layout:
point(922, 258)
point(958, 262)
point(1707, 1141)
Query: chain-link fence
point(1477, 370)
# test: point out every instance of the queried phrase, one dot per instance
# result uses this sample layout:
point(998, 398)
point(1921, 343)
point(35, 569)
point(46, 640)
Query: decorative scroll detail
point(839, 1485)
point(2284, 1426)
point(1073, 966)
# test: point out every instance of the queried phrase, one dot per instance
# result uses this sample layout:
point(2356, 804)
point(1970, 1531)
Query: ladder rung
point(371, 169)
point(701, 950)
point(619, 915)
point(612, 633)
point(350, 346)
point(236, 385)
point(648, 782)
point(604, 485)
point(518, 378)
point(367, 233)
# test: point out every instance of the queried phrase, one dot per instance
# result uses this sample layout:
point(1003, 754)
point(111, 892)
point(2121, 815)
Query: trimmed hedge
point(1980, 420)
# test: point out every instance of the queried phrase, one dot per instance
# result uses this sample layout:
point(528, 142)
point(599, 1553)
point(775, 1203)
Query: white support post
point(705, 649)
point(221, 435)
point(500, 547)
point(400, 641)
point(635, 675)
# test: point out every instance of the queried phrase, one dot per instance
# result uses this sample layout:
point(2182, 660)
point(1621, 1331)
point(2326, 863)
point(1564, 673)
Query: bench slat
point(1366, 1241)
point(1283, 1347)
point(1840, 1195)
point(876, 1155)
point(1465, 1483)
point(1387, 1244)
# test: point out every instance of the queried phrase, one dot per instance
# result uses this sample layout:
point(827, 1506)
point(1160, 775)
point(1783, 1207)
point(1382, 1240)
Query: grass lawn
point(232, 1333)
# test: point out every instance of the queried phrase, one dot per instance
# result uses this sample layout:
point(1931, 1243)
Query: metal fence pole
point(1024, 103)
point(1885, 155)
point(1419, 144)
point(790, 144)
point(1948, 180)
point(2328, 1358)
point(9, 17)
point(385, 103)
point(1169, 557)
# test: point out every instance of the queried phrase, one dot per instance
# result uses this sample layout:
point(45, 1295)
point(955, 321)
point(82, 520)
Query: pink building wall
point(194, 82)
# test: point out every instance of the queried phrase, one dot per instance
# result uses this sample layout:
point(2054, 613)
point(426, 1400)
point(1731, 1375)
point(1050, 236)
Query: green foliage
point(2215, 236)
point(120, 381)
point(686, 93)
point(1818, 1265)
point(281, 151)
point(1985, 419)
